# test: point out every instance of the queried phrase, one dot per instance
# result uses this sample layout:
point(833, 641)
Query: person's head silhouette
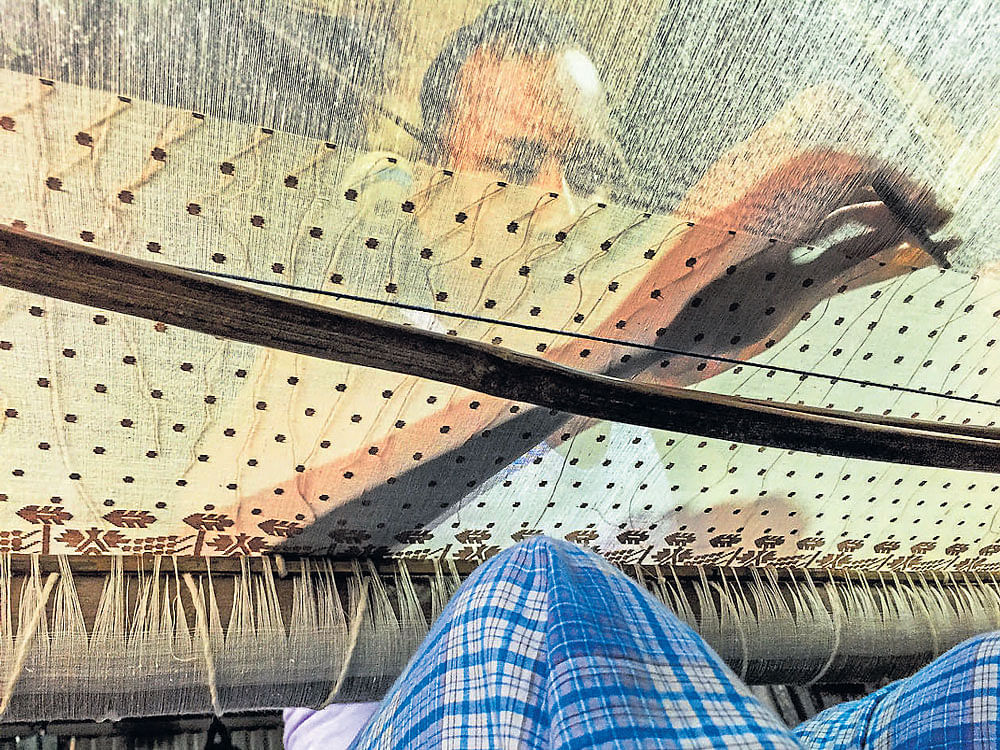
point(515, 92)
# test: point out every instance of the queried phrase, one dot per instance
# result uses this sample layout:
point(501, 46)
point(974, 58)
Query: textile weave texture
point(675, 193)
point(548, 646)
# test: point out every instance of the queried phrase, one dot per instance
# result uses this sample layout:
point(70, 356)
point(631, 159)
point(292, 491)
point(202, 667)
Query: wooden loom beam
point(159, 292)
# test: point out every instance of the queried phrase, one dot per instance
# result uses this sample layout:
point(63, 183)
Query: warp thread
point(24, 641)
point(286, 641)
point(202, 625)
point(352, 643)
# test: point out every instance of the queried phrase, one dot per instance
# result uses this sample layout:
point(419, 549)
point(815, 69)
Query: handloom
point(288, 347)
point(155, 639)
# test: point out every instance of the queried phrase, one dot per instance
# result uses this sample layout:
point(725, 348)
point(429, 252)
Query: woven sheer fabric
point(674, 86)
point(689, 193)
point(782, 200)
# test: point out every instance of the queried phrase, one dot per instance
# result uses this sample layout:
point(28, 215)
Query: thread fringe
point(157, 641)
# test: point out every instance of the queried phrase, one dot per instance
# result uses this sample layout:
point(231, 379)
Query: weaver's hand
point(744, 274)
point(745, 291)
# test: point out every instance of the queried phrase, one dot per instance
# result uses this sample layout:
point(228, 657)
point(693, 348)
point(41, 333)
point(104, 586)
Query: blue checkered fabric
point(547, 646)
point(952, 703)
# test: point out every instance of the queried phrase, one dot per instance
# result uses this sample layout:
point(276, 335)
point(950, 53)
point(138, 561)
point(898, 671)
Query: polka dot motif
point(136, 429)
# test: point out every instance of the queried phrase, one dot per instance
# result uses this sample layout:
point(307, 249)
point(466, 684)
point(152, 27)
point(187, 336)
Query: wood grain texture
point(159, 292)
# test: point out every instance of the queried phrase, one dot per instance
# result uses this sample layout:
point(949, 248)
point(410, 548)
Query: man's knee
point(528, 552)
point(534, 551)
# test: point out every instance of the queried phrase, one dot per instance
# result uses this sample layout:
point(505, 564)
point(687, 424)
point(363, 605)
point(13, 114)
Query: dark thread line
point(590, 337)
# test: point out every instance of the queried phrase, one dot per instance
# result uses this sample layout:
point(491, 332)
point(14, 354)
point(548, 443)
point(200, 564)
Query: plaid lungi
point(547, 646)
